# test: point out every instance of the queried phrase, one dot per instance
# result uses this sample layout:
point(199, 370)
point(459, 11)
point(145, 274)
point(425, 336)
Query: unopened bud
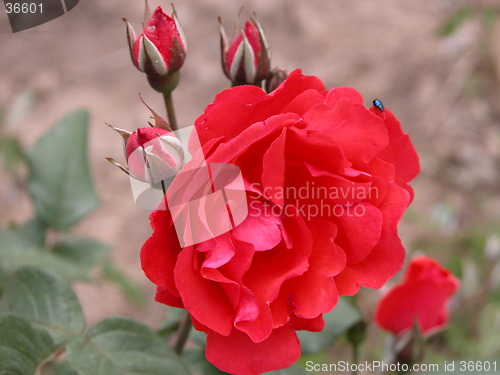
point(246, 59)
point(161, 47)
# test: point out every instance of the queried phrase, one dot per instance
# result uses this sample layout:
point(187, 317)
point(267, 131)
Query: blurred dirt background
point(444, 89)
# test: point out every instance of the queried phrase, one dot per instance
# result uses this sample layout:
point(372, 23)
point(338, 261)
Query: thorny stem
point(183, 333)
point(169, 105)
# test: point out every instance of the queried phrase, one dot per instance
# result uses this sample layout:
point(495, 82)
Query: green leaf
point(35, 230)
point(17, 251)
point(198, 364)
point(85, 252)
point(59, 180)
point(171, 322)
point(4, 278)
point(22, 347)
point(118, 346)
point(337, 322)
point(453, 23)
point(489, 18)
point(12, 152)
point(64, 368)
point(46, 300)
point(198, 337)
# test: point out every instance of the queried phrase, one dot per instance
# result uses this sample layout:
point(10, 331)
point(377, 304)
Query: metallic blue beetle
point(378, 103)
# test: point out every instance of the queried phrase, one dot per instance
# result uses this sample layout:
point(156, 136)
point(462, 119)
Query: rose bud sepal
point(124, 134)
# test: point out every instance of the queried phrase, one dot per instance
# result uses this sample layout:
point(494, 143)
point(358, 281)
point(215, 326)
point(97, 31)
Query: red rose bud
point(161, 47)
point(420, 299)
point(246, 60)
point(153, 154)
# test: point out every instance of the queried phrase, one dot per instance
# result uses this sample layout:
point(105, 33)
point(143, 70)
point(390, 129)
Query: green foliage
point(198, 364)
point(34, 230)
point(59, 175)
point(119, 346)
point(453, 23)
point(23, 347)
point(18, 251)
point(171, 324)
point(12, 153)
point(84, 252)
point(64, 368)
point(44, 299)
point(337, 322)
point(40, 317)
point(489, 17)
point(11, 150)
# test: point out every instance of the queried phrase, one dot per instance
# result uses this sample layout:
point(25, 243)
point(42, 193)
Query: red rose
point(326, 183)
point(421, 297)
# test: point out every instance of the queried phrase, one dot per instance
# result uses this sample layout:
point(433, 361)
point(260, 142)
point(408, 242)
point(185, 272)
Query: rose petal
point(315, 292)
point(267, 227)
point(314, 324)
point(359, 133)
point(304, 101)
point(343, 93)
point(237, 354)
point(280, 263)
point(257, 322)
point(159, 253)
point(273, 171)
point(205, 299)
point(231, 113)
point(359, 231)
point(400, 151)
point(163, 295)
point(387, 256)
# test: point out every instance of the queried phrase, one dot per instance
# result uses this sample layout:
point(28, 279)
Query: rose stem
point(182, 333)
point(169, 105)
point(355, 357)
point(185, 323)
